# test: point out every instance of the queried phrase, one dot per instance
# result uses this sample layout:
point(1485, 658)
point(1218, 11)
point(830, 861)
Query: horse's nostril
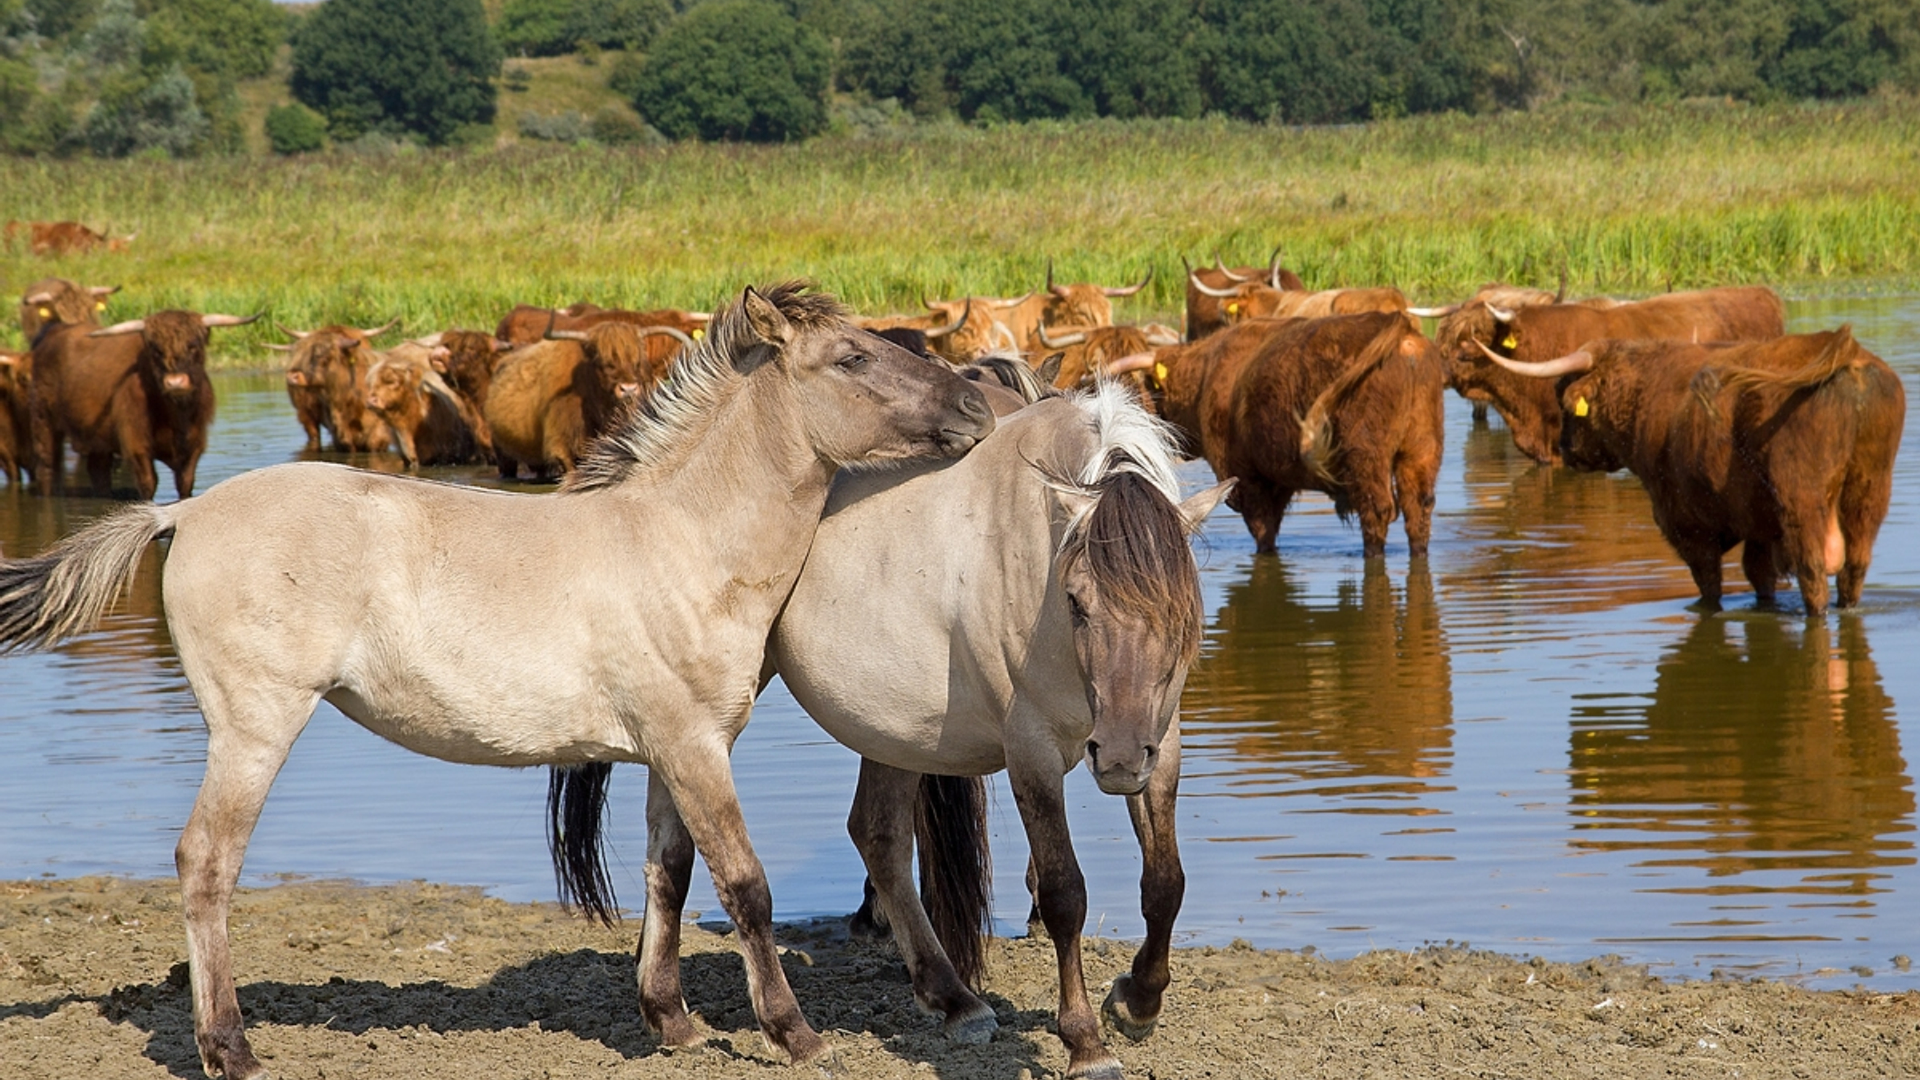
point(1093, 750)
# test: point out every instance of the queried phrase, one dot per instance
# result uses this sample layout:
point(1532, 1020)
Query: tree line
point(117, 77)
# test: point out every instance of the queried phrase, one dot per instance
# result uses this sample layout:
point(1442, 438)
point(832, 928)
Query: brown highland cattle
point(326, 381)
point(550, 399)
point(1205, 313)
point(466, 359)
point(431, 424)
point(16, 385)
point(1786, 446)
point(57, 300)
point(1544, 331)
point(64, 237)
point(137, 390)
point(1257, 301)
point(1349, 405)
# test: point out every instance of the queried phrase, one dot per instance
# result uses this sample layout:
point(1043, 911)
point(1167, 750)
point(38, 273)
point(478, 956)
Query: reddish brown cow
point(16, 386)
point(1257, 301)
point(1786, 446)
point(429, 421)
point(1349, 405)
point(1079, 304)
point(1545, 331)
point(1085, 353)
point(526, 324)
point(1205, 313)
point(65, 237)
point(466, 358)
point(137, 389)
point(57, 300)
point(550, 399)
point(326, 381)
point(958, 331)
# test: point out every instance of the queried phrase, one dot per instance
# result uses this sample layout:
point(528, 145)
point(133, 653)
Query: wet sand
point(434, 981)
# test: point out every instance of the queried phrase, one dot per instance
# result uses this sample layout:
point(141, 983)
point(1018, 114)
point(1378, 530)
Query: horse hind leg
point(669, 874)
point(248, 737)
point(880, 824)
point(1133, 1005)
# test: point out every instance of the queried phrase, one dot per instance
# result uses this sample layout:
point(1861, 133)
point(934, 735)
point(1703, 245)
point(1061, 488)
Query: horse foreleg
point(247, 742)
point(881, 826)
point(1133, 1005)
point(669, 872)
point(1038, 791)
point(701, 783)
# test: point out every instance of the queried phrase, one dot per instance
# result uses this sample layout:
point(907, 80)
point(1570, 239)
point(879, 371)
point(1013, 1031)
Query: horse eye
point(1076, 609)
point(854, 362)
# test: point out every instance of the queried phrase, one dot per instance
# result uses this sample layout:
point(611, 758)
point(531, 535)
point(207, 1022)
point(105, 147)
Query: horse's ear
point(1197, 506)
point(766, 320)
point(1049, 369)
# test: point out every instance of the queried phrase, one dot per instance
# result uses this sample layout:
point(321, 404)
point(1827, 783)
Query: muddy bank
point(432, 981)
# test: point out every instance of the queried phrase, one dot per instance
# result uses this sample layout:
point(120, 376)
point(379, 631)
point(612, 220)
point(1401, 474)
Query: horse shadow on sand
point(845, 987)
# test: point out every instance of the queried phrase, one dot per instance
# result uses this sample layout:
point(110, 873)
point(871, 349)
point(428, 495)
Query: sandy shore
point(432, 981)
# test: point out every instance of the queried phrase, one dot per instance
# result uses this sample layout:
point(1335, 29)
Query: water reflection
point(1768, 745)
point(1352, 691)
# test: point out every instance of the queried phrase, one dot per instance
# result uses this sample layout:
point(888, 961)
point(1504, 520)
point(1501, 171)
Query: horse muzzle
point(1121, 773)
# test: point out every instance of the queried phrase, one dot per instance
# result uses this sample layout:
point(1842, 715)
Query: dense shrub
point(295, 129)
point(159, 115)
point(736, 69)
point(553, 27)
point(419, 66)
point(559, 127)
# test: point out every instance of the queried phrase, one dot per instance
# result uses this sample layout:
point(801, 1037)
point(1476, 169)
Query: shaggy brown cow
point(65, 237)
point(1079, 304)
point(959, 331)
point(1257, 301)
point(1349, 405)
point(137, 389)
point(1785, 445)
point(466, 358)
point(1205, 314)
point(326, 381)
point(550, 399)
point(429, 422)
point(1544, 331)
point(1084, 353)
point(57, 300)
point(526, 324)
point(16, 385)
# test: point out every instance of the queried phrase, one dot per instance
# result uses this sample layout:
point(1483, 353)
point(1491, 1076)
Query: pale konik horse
point(623, 618)
point(1027, 607)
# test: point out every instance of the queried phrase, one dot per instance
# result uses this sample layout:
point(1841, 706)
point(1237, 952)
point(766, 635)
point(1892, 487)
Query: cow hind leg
point(1414, 480)
point(1812, 536)
point(249, 732)
point(1759, 561)
point(100, 474)
point(1703, 562)
point(1262, 507)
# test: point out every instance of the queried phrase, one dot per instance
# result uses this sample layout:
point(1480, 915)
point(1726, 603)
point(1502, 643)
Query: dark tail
point(956, 870)
point(65, 591)
point(576, 806)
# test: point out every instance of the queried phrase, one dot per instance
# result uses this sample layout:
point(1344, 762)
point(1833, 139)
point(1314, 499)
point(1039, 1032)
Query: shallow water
point(1533, 744)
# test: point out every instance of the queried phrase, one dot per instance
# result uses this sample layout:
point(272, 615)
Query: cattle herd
point(1739, 431)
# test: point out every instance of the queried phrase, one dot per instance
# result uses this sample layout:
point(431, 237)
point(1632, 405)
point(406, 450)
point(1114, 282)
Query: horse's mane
point(697, 383)
point(1131, 533)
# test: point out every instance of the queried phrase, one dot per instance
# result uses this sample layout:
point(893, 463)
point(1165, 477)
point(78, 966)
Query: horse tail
point(956, 870)
point(63, 592)
point(1316, 427)
point(576, 807)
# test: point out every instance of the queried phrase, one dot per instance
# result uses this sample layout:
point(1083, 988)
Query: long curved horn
point(1273, 269)
point(290, 332)
point(1060, 342)
point(565, 335)
point(669, 331)
point(1434, 312)
point(1501, 314)
point(211, 321)
point(1570, 364)
point(99, 291)
point(131, 326)
point(1194, 280)
point(1015, 302)
point(1161, 334)
point(930, 305)
point(1052, 289)
point(1221, 265)
point(1562, 294)
point(1130, 289)
point(395, 321)
point(1121, 365)
point(943, 331)
point(703, 316)
point(42, 297)
point(279, 348)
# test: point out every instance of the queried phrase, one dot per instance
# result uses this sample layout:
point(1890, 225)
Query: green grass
point(1808, 199)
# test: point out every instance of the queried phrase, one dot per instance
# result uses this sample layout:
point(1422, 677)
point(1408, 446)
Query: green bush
point(419, 66)
point(736, 69)
point(555, 27)
point(615, 125)
point(135, 116)
point(295, 129)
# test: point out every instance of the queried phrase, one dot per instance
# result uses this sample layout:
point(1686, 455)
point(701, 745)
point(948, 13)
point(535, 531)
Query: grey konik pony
point(1031, 606)
point(623, 618)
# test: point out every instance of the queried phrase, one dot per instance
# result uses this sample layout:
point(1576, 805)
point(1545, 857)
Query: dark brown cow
point(466, 358)
point(550, 399)
point(1205, 313)
point(1349, 405)
point(326, 381)
point(429, 421)
point(57, 300)
point(16, 386)
point(1544, 331)
point(65, 237)
point(137, 390)
point(1785, 446)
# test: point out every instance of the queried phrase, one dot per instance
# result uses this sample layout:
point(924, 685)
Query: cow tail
point(63, 592)
point(1317, 447)
point(1842, 353)
point(576, 809)
point(956, 869)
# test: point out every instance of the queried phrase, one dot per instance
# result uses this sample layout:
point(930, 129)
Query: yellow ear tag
point(99, 305)
point(1160, 373)
point(1233, 309)
point(1511, 342)
point(45, 313)
point(697, 334)
point(1580, 407)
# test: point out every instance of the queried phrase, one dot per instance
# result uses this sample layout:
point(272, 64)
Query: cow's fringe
point(576, 810)
point(1317, 447)
point(65, 591)
point(956, 869)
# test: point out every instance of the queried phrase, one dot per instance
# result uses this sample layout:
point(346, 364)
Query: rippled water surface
point(1532, 743)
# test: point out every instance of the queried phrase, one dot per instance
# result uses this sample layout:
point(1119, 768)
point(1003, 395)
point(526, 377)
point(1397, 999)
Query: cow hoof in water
point(1121, 1017)
point(973, 1028)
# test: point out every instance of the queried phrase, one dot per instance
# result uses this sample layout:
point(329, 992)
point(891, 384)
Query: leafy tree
point(158, 115)
point(421, 66)
point(1289, 60)
point(554, 27)
point(534, 27)
point(58, 18)
point(295, 129)
point(231, 39)
point(736, 69)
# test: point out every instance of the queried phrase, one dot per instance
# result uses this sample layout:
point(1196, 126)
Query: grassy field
point(1808, 199)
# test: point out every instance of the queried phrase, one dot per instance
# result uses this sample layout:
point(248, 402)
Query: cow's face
point(390, 385)
point(1592, 416)
point(619, 358)
point(175, 350)
point(1459, 337)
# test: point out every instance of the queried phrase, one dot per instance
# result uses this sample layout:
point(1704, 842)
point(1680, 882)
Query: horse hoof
point(1121, 1017)
point(973, 1029)
point(1104, 1069)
